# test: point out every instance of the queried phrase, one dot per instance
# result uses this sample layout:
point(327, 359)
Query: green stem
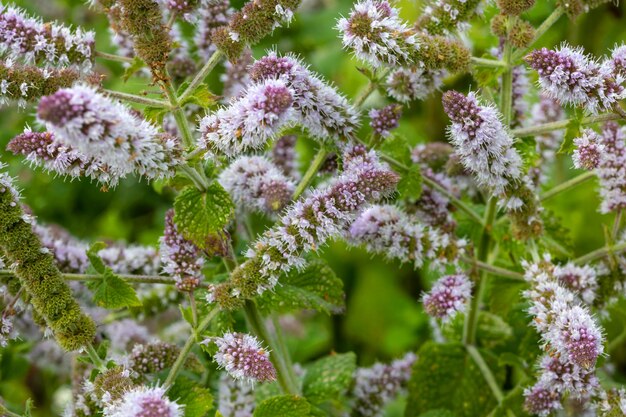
point(201, 75)
point(369, 89)
point(567, 185)
point(95, 359)
point(139, 279)
point(506, 94)
point(562, 124)
point(541, 30)
point(494, 270)
point(490, 63)
point(600, 253)
point(132, 98)
point(5, 412)
point(486, 372)
point(280, 341)
point(113, 57)
point(471, 317)
point(253, 316)
point(182, 356)
point(311, 171)
point(616, 225)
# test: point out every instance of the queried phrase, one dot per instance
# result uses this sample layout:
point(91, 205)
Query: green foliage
point(316, 287)
point(410, 185)
point(465, 393)
point(438, 413)
point(109, 291)
point(283, 405)
point(329, 378)
point(201, 96)
point(197, 400)
point(198, 214)
point(133, 68)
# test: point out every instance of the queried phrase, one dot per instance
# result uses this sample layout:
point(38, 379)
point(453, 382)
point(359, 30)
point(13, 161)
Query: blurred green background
point(382, 319)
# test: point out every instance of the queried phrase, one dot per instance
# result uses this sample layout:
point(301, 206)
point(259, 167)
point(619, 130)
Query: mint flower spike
point(243, 357)
point(542, 400)
point(448, 297)
point(384, 120)
point(441, 17)
point(408, 84)
point(209, 16)
point(611, 167)
point(250, 121)
point(320, 108)
point(256, 184)
point(573, 78)
point(107, 131)
point(37, 273)
point(377, 35)
point(27, 39)
point(589, 150)
point(323, 214)
point(379, 384)
point(236, 76)
point(181, 258)
point(143, 401)
point(386, 229)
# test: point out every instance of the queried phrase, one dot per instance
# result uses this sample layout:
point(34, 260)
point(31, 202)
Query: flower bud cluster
point(30, 40)
point(107, 131)
point(284, 156)
point(211, 15)
point(448, 297)
point(573, 78)
point(256, 184)
point(441, 17)
point(408, 84)
point(181, 258)
point(243, 357)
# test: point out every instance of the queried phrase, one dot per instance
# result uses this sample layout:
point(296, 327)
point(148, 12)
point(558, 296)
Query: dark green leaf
point(410, 185)
point(202, 97)
point(438, 413)
point(198, 214)
point(397, 147)
point(329, 377)
point(283, 405)
point(197, 400)
point(316, 287)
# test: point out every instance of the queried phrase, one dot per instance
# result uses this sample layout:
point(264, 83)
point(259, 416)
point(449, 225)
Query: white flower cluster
point(408, 84)
point(144, 402)
point(235, 399)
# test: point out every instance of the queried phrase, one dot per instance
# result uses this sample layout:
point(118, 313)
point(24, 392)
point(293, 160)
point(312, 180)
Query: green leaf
point(202, 96)
point(134, 66)
point(397, 147)
point(329, 377)
point(283, 405)
point(109, 291)
point(155, 114)
point(410, 185)
point(445, 377)
point(572, 132)
point(492, 328)
point(198, 214)
point(316, 287)
point(441, 412)
point(197, 400)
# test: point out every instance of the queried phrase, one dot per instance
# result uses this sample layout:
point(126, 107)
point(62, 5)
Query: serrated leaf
point(197, 400)
point(571, 132)
point(283, 405)
point(109, 291)
point(134, 66)
point(202, 97)
point(329, 377)
point(199, 214)
point(445, 377)
point(397, 147)
point(410, 185)
point(316, 287)
point(492, 328)
point(154, 114)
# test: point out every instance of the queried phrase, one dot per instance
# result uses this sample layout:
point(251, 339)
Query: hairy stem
point(567, 185)
point(137, 279)
point(486, 372)
point(6, 412)
point(95, 359)
point(113, 57)
point(311, 171)
point(132, 98)
point(494, 270)
point(201, 75)
point(541, 30)
point(600, 253)
point(254, 319)
point(490, 63)
point(182, 356)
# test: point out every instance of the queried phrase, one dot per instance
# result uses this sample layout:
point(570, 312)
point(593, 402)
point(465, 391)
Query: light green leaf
point(446, 377)
point(316, 287)
point(441, 412)
point(283, 405)
point(198, 214)
point(134, 66)
point(202, 97)
point(410, 185)
point(155, 114)
point(197, 400)
point(329, 377)
point(397, 147)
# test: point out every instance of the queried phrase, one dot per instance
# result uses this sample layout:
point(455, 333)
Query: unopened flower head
point(243, 357)
point(151, 358)
point(384, 120)
point(541, 400)
point(323, 111)
point(250, 121)
point(255, 183)
point(573, 78)
point(386, 229)
point(210, 16)
point(377, 35)
point(483, 143)
point(448, 297)
point(408, 84)
point(143, 402)
point(612, 168)
point(181, 258)
point(589, 149)
point(29, 39)
point(446, 16)
point(108, 131)
point(379, 384)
